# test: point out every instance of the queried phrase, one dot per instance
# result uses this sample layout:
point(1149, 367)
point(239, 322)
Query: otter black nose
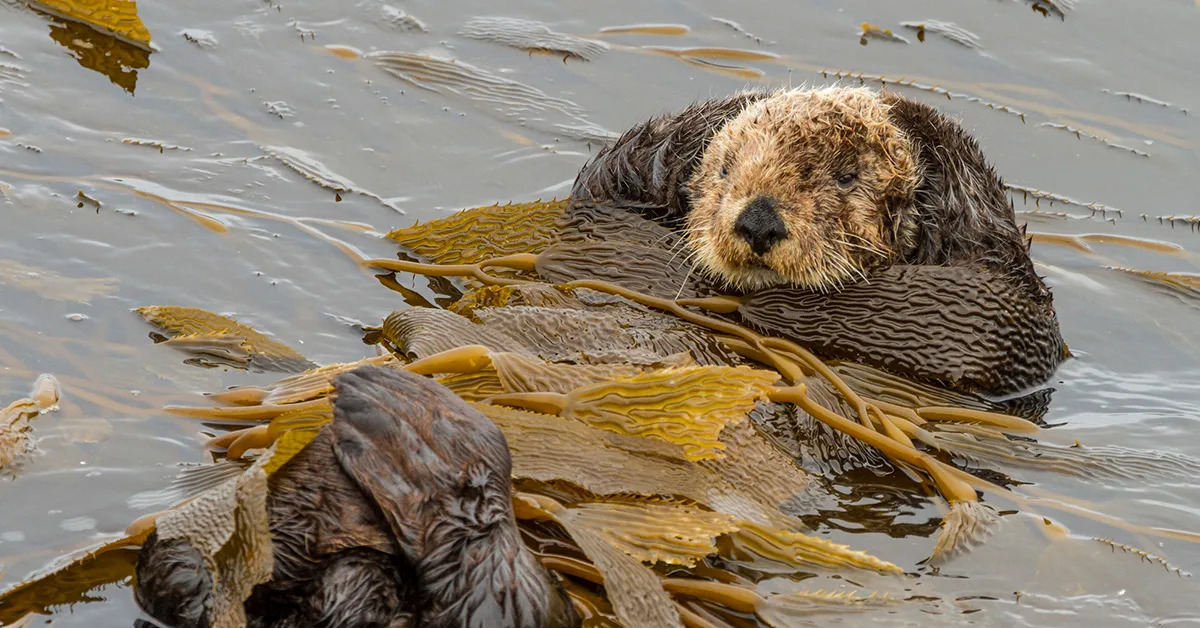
point(760, 225)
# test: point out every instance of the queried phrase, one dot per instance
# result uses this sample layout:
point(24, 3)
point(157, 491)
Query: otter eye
point(847, 179)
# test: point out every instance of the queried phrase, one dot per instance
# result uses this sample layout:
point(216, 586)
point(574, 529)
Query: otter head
point(803, 188)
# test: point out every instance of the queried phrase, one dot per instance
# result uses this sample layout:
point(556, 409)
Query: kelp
point(863, 77)
point(49, 284)
point(492, 92)
point(635, 449)
point(1144, 99)
point(118, 18)
point(473, 235)
point(967, 525)
point(893, 427)
point(871, 31)
point(531, 36)
point(949, 30)
point(104, 36)
point(203, 333)
point(1180, 284)
point(15, 430)
point(662, 404)
point(1081, 134)
point(1038, 196)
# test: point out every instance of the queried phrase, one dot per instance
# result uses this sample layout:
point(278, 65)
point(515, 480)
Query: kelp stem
point(732, 597)
point(967, 415)
point(544, 402)
point(952, 487)
point(464, 359)
point(246, 413)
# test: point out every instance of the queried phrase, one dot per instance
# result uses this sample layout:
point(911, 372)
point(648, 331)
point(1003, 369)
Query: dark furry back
point(962, 213)
point(647, 169)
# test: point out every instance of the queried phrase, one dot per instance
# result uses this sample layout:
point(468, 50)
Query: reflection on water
point(112, 57)
point(106, 36)
point(1083, 111)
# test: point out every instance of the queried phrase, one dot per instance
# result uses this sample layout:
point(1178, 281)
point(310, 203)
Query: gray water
point(232, 86)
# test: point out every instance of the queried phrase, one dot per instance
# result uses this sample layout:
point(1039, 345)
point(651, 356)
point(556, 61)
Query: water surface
point(232, 161)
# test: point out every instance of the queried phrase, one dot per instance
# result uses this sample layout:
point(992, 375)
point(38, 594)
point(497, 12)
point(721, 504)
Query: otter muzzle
point(760, 225)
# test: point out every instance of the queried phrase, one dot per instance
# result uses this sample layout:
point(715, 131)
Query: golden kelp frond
point(606, 463)
point(286, 447)
point(636, 593)
point(114, 57)
point(15, 430)
point(532, 294)
point(796, 549)
point(204, 331)
point(313, 383)
point(118, 18)
point(517, 373)
point(229, 526)
point(475, 386)
point(967, 525)
point(421, 332)
point(685, 406)
point(665, 532)
point(754, 465)
point(51, 285)
point(473, 235)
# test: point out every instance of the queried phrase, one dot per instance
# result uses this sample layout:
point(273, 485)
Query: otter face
point(803, 188)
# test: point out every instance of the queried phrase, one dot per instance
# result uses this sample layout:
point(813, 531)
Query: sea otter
point(397, 514)
point(871, 222)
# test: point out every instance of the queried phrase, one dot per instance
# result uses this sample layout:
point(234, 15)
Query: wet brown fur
point(397, 514)
point(792, 147)
point(924, 198)
point(924, 192)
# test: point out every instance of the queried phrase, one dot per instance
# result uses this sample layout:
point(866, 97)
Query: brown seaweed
point(15, 429)
point(532, 36)
point(206, 334)
point(871, 31)
point(1042, 195)
point(1081, 134)
point(49, 284)
point(1144, 99)
point(513, 99)
point(949, 30)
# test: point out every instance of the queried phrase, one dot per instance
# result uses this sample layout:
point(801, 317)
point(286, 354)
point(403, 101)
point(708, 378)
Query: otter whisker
point(685, 280)
point(864, 247)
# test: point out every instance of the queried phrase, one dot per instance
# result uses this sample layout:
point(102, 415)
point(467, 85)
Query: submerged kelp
point(15, 429)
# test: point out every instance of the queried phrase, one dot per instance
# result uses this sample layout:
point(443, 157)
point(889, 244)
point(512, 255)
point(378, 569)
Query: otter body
point(398, 514)
point(803, 193)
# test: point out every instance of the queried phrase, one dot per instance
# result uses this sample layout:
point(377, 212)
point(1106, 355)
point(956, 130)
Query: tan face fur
point(832, 166)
